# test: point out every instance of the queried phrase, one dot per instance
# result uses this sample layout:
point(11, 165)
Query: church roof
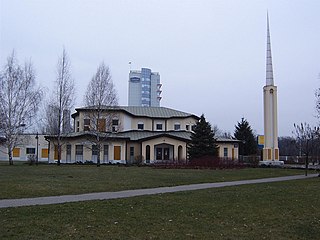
point(152, 112)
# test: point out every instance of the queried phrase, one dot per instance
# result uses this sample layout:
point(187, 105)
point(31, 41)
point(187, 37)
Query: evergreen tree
point(244, 133)
point(203, 142)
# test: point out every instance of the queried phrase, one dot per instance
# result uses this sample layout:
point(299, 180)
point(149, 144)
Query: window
point(187, 127)
point(131, 153)
point(166, 154)
point(94, 150)
point(115, 125)
point(225, 152)
point(135, 79)
point(30, 151)
point(94, 154)
point(68, 149)
point(177, 126)
point(79, 152)
point(148, 153)
point(105, 153)
point(78, 126)
point(101, 125)
point(115, 122)
point(140, 126)
point(79, 149)
point(193, 127)
point(159, 153)
point(159, 126)
point(86, 124)
point(68, 153)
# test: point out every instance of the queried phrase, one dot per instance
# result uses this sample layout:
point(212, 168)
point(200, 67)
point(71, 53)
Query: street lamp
point(37, 138)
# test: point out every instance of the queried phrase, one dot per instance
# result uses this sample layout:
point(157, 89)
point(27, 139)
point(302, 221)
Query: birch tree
point(19, 101)
point(100, 95)
point(61, 102)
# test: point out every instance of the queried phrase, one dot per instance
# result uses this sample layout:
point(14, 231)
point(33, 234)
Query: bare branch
point(100, 93)
point(19, 101)
point(59, 106)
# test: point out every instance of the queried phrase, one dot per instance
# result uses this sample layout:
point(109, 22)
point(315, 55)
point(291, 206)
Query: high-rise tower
point(270, 150)
point(144, 88)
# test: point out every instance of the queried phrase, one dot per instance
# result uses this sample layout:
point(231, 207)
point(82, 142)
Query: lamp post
point(37, 138)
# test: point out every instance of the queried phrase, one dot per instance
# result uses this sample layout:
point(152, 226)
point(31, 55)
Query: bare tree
point(19, 101)
point(306, 137)
point(287, 146)
point(100, 94)
point(59, 106)
point(317, 95)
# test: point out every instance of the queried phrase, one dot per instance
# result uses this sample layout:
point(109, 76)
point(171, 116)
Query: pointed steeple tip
point(269, 69)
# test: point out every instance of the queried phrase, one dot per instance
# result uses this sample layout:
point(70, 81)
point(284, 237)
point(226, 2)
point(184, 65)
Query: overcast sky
point(210, 53)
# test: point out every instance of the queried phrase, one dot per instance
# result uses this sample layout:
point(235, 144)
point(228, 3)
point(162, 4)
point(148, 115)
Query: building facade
point(132, 134)
point(28, 147)
point(144, 88)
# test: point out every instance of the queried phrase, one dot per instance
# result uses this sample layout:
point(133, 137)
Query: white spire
point(269, 70)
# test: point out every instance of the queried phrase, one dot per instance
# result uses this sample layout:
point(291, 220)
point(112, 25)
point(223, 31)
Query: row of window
point(101, 125)
point(30, 151)
point(94, 152)
point(159, 126)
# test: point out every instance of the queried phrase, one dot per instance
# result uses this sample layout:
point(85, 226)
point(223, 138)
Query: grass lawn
point(282, 210)
point(22, 180)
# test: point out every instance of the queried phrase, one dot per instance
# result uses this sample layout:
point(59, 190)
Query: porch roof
point(138, 135)
point(134, 135)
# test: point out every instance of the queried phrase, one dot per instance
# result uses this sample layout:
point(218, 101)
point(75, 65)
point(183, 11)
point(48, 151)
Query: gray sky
point(210, 53)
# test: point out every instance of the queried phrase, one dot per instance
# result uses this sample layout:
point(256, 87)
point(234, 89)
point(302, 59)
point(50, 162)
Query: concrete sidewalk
point(138, 192)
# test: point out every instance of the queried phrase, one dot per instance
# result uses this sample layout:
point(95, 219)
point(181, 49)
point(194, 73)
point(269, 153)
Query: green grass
point(22, 180)
point(282, 210)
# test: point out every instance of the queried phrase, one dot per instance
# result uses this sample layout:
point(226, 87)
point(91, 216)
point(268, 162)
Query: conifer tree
point(244, 133)
point(203, 142)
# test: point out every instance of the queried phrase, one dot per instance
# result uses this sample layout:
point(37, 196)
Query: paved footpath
point(138, 192)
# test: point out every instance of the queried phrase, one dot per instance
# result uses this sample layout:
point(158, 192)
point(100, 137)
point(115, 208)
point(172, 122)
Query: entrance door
point(164, 152)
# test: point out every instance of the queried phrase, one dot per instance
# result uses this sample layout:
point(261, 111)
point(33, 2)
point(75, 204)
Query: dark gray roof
point(137, 135)
point(229, 140)
point(152, 112)
point(134, 135)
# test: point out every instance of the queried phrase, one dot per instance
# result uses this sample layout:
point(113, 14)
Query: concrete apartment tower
point(144, 88)
point(270, 150)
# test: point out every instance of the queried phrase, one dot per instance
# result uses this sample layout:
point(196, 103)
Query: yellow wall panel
point(16, 152)
point(44, 153)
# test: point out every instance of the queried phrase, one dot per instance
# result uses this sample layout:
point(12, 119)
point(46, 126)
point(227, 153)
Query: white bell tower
point(270, 150)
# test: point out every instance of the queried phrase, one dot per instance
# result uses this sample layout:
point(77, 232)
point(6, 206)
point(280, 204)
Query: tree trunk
point(59, 153)
point(307, 165)
point(10, 157)
point(98, 155)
